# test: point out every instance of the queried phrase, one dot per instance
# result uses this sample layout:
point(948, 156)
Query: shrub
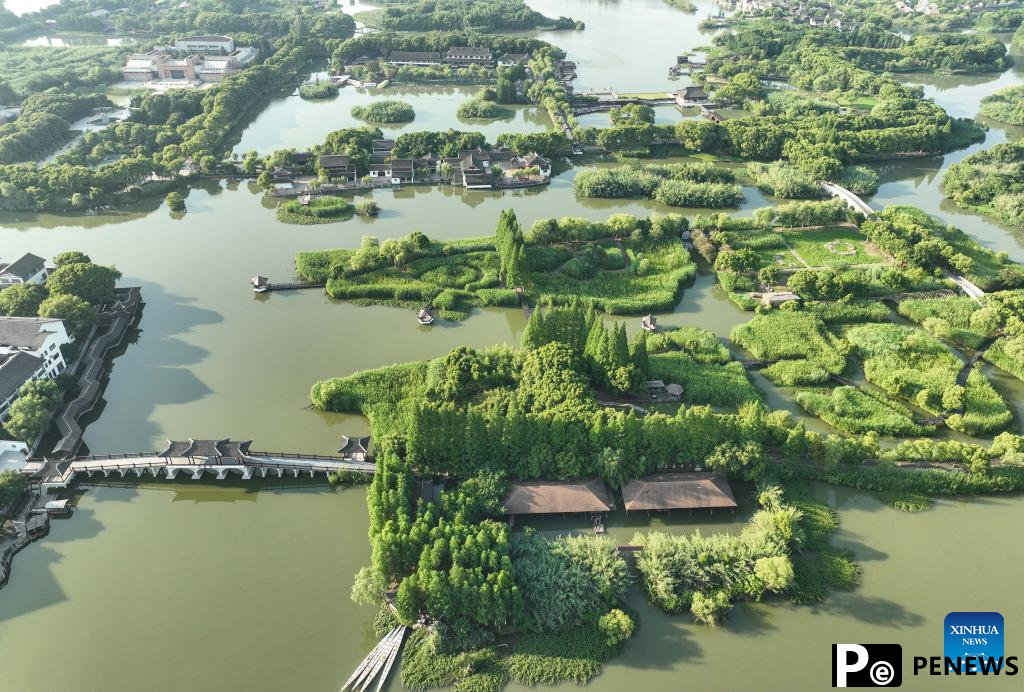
point(385, 112)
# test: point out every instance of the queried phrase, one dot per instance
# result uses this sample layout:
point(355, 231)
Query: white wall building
point(28, 269)
point(41, 337)
point(205, 45)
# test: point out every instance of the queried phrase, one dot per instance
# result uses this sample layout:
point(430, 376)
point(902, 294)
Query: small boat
point(425, 316)
point(260, 284)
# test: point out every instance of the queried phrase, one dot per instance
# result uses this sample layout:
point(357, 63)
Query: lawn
point(769, 246)
point(831, 246)
point(788, 335)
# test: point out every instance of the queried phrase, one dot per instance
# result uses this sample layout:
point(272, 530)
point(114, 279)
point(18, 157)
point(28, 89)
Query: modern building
point(464, 56)
point(27, 269)
point(205, 45)
point(41, 337)
point(188, 62)
point(419, 59)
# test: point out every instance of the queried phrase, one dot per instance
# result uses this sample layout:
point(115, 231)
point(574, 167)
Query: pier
point(261, 284)
point(379, 661)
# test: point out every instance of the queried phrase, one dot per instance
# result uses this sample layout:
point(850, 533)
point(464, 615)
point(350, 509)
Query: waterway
point(176, 586)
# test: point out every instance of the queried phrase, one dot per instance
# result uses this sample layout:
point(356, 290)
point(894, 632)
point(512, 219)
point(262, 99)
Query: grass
point(704, 383)
point(790, 335)
point(813, 247)
point(856, 411)
point(1007, 353)
point(916, 366)
point(460, 275)
point(326, 209)
point(946, 317)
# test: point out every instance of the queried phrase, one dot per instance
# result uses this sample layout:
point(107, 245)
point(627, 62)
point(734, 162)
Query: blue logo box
point(973, 634)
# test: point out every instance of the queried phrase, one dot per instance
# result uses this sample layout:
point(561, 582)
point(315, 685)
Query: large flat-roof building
point(193, 59)
point(205, 45)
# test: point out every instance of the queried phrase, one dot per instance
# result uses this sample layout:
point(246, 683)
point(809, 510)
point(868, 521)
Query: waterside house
point(419, 59)
point(464, 56)
point(27, 269)
point(41, 337)
point(692, 96)
point(337, 167)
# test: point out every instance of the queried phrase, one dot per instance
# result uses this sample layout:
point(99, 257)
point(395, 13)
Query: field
point(831, 246)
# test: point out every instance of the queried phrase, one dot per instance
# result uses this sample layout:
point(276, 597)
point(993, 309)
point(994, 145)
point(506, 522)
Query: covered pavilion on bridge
point(211, 450)
point(668, 491)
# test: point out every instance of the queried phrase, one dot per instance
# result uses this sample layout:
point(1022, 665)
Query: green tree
point(30, 412)
point(71, 257)
point(77, 314)
point(92, 283)
point(616, 626)
point(22, 300)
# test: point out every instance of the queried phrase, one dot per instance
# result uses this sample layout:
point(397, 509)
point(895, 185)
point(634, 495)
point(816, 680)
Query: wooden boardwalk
point(378, 662)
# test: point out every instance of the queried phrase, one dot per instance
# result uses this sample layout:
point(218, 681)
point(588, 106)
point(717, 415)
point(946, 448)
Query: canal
point(172, 586)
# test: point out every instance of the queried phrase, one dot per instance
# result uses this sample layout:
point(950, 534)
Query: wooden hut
point(649, 323)
point(425, 315)
point(260, 284)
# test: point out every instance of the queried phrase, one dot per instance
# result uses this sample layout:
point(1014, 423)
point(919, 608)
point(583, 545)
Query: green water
point(180, 586)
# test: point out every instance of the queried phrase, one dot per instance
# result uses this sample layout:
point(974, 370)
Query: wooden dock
point(378, 662)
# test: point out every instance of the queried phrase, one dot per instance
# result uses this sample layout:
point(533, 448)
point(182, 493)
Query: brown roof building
point(558, 497)
point(678, 491)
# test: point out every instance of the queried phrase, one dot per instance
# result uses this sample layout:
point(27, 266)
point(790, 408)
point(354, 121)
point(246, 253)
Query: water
point(214, 587)
point(291, 121)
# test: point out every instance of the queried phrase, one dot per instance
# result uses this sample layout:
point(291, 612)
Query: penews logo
point(867, 665)
point(973, 638)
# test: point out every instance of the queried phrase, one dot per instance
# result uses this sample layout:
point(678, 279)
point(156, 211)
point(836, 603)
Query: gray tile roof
point(27, 266)
point(24, 332)
point(15, 369)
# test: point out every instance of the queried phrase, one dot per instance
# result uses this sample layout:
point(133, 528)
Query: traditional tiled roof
point(25, 332)
point(557, 497)
point(15, 370)
point(25, 267)
point(678, 491)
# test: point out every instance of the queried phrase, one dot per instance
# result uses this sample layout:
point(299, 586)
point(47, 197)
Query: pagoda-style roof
point(207, 448)
point(354, 446)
